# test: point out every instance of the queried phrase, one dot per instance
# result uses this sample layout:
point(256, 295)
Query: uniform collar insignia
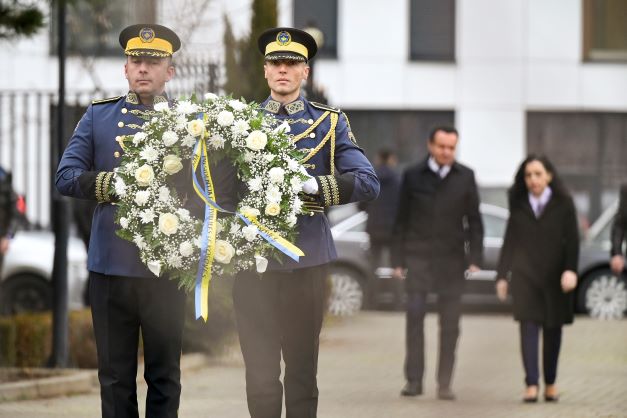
point(132, 98)
point(272, 106)
point(295, 107)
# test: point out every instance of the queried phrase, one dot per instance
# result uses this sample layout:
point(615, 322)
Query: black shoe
point(446, 394)
point(411, 389)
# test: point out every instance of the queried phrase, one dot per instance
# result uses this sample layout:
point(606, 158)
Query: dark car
point(355, 286)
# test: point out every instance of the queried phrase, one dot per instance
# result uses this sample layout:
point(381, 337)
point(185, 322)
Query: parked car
point(25, 280)
point(355, 286)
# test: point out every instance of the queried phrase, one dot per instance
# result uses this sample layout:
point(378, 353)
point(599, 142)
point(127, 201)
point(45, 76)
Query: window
point(93, 27)
point(321, 14)
point(432, 30)
point(605, 30)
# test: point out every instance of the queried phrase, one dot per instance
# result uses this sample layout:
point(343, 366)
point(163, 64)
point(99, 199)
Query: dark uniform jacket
point(619, 226)
point(535, 253)
point(340, 167)
point(437, 220)
point(382, 211)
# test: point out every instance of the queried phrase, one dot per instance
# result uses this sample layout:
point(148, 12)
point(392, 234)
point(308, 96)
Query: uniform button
point(312, 135)
point(310, 121)
point(116, 154)
point(124, 110)
point(117, 138)
point(121, 124)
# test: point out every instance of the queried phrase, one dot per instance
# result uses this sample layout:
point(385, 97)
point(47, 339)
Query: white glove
point(310, 186)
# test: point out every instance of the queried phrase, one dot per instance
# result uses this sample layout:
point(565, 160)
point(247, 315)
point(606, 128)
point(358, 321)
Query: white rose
point(249, 212)
point(139, 137)
point(196, 127)
point(237, 105)
point(255, 184)
point(144, 175)
point(155, 267)
point(124, 223)
point(273, 209)
point(164, 194)
point(149, 154)
point(210, 96)
point(169, 138)
point(250, 232)
point(172, 164)
point(225, 118)
point(216, 141)
point(277, 175)
point(141, 197)
point(261, 263)
point(186, 248)
point(223, 252)
point(256, 140)
point(168, 223)
point(185, 107)
point(161, 107)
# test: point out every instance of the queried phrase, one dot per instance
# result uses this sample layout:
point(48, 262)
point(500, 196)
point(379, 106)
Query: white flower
point(168, 223)
point(223, 252)
point(237, 105)
point(197, 242)
point(164, 194)
point(181, 122)
point(292, 164)
point(139, 137)
point(256, 140)
point(296, 184)
point(248, 157)
point(261, 263)
point(189, 141)
point(250, 232)
point(146, 216)
point(276, 175)
point(210, 96)
point(174, 260)
point(120, 187)
point(183, 214)
point(249, 212)
point(144, 175)
point(298, 204)
point(216, 141)
point(273, 209)
point(185, 107)
point(284, 127)
point(235, 227)
point(240, 127)
point(273, 194)
point(291, 219)
point(161, 107)
point(124, 223)
point(149, 154)
point(225, 118)
point(155, 267)
point(172, 164)
point(255, 184)
point(141, 197)
point(268, 157)
point(196, 127)
point(139, 241)
point(169, 138)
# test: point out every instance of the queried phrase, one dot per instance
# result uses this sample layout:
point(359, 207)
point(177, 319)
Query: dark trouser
point(449, 310)
point(529, 339)
point(276, 313)
point(120, 307)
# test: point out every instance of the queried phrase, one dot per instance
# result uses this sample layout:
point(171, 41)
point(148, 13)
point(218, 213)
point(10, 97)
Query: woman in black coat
point(539, 261)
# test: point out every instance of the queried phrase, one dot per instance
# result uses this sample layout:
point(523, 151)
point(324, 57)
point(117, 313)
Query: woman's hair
point(518, 191)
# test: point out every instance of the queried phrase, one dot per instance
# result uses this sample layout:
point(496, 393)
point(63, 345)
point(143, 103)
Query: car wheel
point(346, 293)
point(603, 295)
point(25, 293)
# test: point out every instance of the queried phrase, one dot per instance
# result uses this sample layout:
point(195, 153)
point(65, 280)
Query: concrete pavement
point(360, 375)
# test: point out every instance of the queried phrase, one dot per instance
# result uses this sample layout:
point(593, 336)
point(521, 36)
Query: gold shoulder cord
point(311, 128)
point(330, 134)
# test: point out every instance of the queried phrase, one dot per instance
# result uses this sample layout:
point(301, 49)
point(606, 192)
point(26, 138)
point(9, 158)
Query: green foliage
point(244, 63)
point(7, 342)
point(19, 20)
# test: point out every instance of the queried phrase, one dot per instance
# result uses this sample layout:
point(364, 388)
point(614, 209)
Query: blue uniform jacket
point(352, 179)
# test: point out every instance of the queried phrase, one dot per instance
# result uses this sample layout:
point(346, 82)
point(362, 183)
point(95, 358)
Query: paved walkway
point(361, 374)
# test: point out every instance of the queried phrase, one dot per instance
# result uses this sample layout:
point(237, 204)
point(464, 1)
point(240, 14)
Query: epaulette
point(322, 106)
point(108, 100)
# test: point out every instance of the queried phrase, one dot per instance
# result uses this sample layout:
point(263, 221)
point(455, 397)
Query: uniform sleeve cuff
point(96, 185)
point(336, 190)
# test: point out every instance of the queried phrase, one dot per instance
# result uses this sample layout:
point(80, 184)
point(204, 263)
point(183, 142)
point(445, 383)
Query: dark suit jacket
point(620, 224)
point(535, 253)
point(438, 229)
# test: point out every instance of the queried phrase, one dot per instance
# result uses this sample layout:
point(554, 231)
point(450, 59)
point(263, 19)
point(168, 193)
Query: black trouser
point(280, 313)
point(120, 307)
point(449, 310)
point(529, 342)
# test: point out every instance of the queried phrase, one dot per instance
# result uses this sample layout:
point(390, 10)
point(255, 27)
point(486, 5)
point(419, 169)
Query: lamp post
point(314, 94)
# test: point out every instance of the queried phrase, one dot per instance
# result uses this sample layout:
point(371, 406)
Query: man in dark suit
point(125, 296)
point(7, 212)
point(439, 235)
point(619, 226)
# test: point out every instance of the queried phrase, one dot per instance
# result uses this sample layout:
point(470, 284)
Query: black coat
point(619, 226)
point(382, 210)
point(535, 253)
point(438, 229)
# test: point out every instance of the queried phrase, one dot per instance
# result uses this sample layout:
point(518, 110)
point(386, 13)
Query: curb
point(75, 381)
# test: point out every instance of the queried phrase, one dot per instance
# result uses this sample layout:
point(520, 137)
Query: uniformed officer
point(125, 297)
point(280, 313)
